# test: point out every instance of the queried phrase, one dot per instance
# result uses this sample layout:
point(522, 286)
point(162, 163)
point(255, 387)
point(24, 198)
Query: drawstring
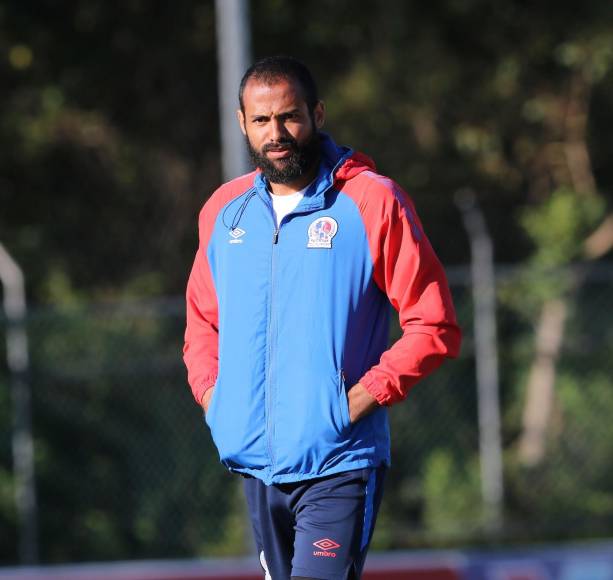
point(241, 210)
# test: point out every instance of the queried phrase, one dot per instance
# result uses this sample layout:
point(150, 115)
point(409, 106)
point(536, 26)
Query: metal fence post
point(12, 280)
point(233, 56)
point(486, 354)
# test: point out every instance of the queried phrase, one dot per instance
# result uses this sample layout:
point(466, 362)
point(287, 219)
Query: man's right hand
point(206, 398)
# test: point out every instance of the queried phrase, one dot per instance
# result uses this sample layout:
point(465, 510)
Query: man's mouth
point(280, 151)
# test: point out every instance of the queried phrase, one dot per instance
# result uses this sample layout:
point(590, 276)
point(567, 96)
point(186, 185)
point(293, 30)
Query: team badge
point(321, 232)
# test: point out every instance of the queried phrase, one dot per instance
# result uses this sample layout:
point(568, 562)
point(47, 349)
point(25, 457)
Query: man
point(287, 327)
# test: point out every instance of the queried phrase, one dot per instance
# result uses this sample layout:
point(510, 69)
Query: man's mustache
point(280, 144)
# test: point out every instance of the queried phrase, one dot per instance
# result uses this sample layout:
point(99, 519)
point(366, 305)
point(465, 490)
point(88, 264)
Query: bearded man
point(286, 343)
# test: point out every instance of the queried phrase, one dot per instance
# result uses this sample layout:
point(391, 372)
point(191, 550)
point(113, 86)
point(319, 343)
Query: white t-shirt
point(284, 204)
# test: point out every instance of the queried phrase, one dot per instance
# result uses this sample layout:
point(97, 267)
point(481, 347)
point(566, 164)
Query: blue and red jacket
point(282, 321)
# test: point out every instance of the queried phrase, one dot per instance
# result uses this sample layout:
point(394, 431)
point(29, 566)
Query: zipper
point(269, 387)
point(272, 328)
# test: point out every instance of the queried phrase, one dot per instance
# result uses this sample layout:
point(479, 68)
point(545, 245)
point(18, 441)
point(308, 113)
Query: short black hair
point(275, 68)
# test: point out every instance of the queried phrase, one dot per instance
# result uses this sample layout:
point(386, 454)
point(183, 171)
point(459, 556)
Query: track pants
point(318, 528)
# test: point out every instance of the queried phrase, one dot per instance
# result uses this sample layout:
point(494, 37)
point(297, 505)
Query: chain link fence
point(125, 467)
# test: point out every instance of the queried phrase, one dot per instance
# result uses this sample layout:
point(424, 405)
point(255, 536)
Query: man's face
point(281, 134)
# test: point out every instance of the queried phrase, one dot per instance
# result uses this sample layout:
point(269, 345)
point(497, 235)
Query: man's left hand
point(361, 402)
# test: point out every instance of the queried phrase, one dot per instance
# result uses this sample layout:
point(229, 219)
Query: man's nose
point(277, 129)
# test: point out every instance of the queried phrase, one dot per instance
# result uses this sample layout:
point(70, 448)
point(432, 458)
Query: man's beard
point(301, 160)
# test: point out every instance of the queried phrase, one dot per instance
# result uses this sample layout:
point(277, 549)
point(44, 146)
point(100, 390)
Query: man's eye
point(259, 120)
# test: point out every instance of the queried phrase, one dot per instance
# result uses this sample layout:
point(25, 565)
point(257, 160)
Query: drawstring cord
point(241, 210)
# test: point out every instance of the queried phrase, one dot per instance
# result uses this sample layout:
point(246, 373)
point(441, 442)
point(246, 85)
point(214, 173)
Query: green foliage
point(103, 123)
point(124, 465)
point(593, 55)
point(8, 514)
point(108, 130)
point(452, 496)
point(234, 537)
point(558, 226)
point(571, 487)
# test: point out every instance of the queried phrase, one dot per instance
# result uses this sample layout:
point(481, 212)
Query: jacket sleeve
point(407, 270)
point(200, 351)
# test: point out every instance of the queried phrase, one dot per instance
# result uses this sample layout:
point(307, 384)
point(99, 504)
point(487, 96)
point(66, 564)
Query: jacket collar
point(336, 162)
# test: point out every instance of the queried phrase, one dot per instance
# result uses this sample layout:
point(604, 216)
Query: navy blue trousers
point(317, 528)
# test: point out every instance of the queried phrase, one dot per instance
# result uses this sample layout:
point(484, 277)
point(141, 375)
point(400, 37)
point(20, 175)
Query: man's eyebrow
point(290, 112)
point(266, 115)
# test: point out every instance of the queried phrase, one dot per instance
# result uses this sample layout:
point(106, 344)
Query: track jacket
point(284, 321)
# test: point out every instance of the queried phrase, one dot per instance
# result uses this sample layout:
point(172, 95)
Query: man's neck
point(294, 186)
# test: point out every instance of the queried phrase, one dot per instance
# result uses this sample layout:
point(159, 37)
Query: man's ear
point(241, 121)
point(319, 114)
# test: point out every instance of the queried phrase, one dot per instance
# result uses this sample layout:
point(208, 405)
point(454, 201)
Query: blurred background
point(495, 117)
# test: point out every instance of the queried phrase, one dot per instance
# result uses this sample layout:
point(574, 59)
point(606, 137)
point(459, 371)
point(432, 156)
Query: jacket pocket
point(237, 428)
point(208, 415)
point(343, 400)
point(311, 422)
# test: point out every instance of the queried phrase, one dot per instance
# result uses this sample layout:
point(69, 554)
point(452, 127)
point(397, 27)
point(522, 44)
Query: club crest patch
point(321, 232)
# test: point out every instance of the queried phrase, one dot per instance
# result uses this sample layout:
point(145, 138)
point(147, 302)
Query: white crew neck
point(286, 204)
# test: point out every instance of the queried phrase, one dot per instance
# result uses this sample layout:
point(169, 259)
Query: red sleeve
point(201, 333)
point(407, 270)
